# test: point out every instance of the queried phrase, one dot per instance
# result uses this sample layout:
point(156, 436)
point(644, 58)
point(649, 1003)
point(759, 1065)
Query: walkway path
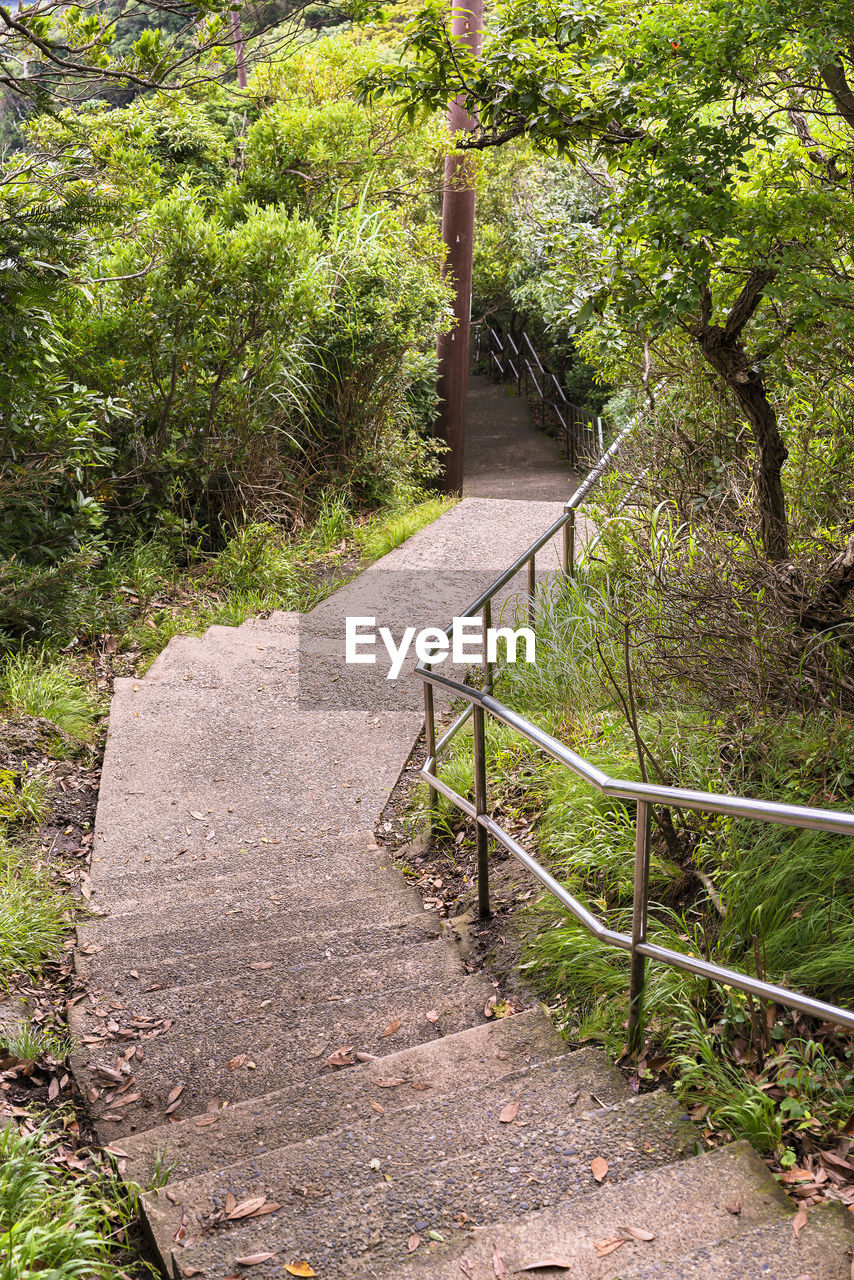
point(506, 456)
point(273, 1015)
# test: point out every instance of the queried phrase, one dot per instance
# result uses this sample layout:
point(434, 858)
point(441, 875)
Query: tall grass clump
point(34, 915)
point(51, 1226)
point(35, 683)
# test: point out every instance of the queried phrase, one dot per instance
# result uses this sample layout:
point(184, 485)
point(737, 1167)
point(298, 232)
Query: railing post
point(639, 905)
point(487, 665)
point(532, 589)
point(569, 544)
point(480, 805)
point(430, 746)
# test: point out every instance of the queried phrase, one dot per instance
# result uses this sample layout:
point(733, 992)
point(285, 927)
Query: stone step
point(678, 1203)
point(184, 958)
point(225, 655)
point(328, 871)
point(175, 751)
point(349, 1216)
point(233, 1046)
point(190, 862)
point(769, 1251)
point(492, 1052)
point(298, 984)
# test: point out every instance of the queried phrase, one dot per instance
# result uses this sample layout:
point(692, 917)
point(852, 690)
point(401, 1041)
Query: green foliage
point(32, 683)
point(34, 915)
point(389, 530)
point(51, 1225)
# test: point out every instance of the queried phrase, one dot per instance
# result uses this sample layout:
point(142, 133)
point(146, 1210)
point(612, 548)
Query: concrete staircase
point(272, 1016)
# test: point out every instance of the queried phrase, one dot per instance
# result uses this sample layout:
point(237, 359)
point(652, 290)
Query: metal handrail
point(584, 431)
point(481, 703)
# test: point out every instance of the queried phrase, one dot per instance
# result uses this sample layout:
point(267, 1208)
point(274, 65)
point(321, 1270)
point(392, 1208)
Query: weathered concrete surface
point(247, 929)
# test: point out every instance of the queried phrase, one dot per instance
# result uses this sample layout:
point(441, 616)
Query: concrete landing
point(506, 455)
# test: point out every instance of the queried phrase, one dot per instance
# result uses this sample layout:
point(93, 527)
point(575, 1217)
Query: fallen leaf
point(380, 1110)
point(264, 1209)
point(252, 1260)
point(117, 1151)
point(192, 1271)
point(341, 1058)
point(246, 1207)
point(733, 1206)
point(420, 1085)
point(237, 1062)
point(200, 817)
point(299, 1269)
point(413, 1242)
point(836, 1162)
point(365, 1057)
point(53, 1089)
point(510, 1112)
point(465, 1267)
point(175, 1093)
point(262, 964)
point(230, 1202)
point(604, 1247)
point(639, 1233)
point(799, 1221)
point(203, 1121)
point(389, 1082)
point(432, 1016)
point(391, 1028)
point(599, 1168)
point(542, 1263)
point(498, 1264)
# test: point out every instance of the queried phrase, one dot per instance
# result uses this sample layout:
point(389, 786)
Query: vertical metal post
point(480, 805)
point(601, 438)
point(430, 745)
point(569, 544)
point(639, 905)
point(487, 665)
point(532, 589)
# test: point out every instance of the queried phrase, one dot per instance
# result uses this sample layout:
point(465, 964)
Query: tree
point(724, 133)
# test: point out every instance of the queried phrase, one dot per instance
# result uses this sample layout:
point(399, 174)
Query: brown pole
point(458, 235)
point(239, 55)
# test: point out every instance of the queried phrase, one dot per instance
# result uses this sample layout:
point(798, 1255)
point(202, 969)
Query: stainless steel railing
point(481, 703)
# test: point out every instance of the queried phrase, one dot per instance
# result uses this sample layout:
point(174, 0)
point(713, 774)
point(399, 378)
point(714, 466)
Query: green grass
point(34, 915)
point(36, 683)
point(388, 530)
point(52, 1227)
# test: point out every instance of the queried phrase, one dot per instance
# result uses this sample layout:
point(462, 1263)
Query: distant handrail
point(481, 703)
point(583, 433)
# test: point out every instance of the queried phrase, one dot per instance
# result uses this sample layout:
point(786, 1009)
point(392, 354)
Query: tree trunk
point(721, 347)
point(458, 235)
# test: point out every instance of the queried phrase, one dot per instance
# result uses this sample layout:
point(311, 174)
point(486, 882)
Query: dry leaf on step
point(341, 1057)
point(237, 1062)
point(465, 1267)
point(300, 1269)
point(733, 1206)
point(432, 1016)
point(561, 1263)
point(192, 1271)
point(799, 1221)
point(510, 1112)
point(389, 1082)
point(599, 1168)
point(413, 1242)
point(498, 1264)
point(638, 1233)
point(253, 1259)
point(175, 1093)
point(230, 1202)
point(604, 1247)
point(262, 964)
point(269, 1207)
point(391, 1028)
point(246, 1207)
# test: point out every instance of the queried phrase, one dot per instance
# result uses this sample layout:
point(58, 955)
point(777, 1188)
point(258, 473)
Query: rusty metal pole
point(458, 235)
point(239, 52)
